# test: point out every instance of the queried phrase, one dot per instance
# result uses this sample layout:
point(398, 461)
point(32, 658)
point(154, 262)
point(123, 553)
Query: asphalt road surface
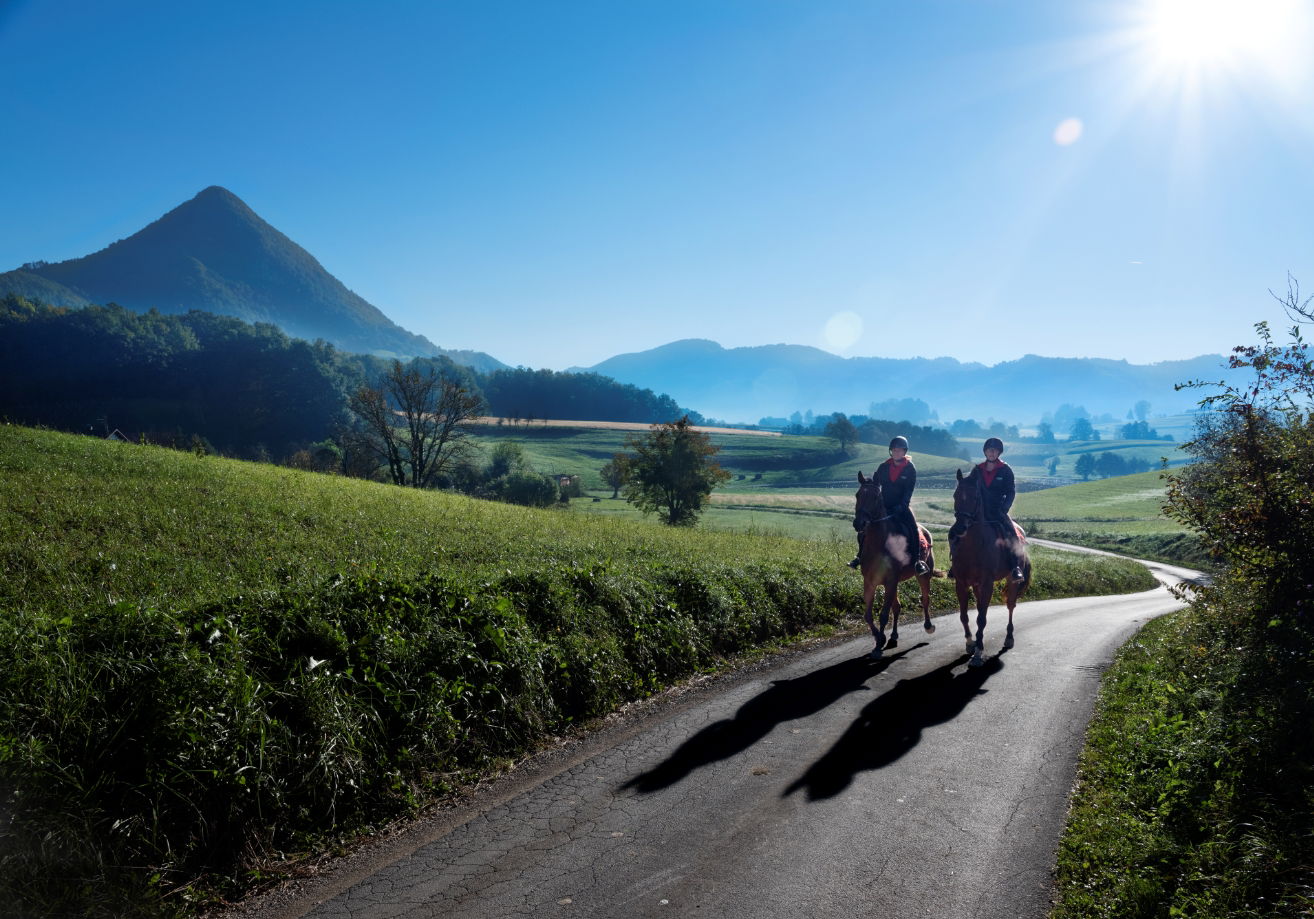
point(823, 784)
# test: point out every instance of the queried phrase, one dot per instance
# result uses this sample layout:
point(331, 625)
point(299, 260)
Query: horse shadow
point(892, 724)
point(785, 700)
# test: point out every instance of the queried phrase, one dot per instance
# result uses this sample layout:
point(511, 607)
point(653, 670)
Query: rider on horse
point(994, 478)
point(898, 477)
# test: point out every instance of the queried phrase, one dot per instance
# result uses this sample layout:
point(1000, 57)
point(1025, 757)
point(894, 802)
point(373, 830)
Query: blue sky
point(558, 182)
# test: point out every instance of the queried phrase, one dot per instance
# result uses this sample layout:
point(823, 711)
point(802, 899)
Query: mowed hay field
point(211, 670)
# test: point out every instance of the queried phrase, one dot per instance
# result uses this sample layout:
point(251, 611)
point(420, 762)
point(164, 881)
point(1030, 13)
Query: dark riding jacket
point(897, 494)
point(997, 497)
point(897, 498)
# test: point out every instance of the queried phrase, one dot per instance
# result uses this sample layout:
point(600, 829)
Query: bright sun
point(1203, 34)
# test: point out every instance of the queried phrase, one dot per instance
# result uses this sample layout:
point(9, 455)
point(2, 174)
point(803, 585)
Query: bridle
point(861, 519)
point(969, 516)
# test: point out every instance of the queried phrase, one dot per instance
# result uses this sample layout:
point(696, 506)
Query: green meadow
point(211, 670)
point(1122, 514)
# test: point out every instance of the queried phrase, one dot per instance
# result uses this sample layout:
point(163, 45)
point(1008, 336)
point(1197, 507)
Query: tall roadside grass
point(208, 666)
point(1196, 788)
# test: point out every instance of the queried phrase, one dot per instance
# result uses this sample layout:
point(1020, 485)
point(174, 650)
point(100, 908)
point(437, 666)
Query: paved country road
point(821, 784)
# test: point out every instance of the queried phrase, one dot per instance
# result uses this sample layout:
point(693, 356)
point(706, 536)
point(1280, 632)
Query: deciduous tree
point(1084, 466)
point(416, 421)
point(841, 430)
point(616, 472)
point(1083, 430)
point(672, 471)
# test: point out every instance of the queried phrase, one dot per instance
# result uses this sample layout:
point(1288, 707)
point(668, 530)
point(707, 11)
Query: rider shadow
point(892, 724)
point(786, 700)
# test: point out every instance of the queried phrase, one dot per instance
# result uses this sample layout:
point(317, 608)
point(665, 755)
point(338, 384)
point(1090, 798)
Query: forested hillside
point(240, 388)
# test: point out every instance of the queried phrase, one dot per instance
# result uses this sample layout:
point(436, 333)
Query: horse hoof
point(880, 642)
point(875, 654)
point(930, 628)
point(976, 661)
point(892, 644)
point(971, 648)
point(1008, 642)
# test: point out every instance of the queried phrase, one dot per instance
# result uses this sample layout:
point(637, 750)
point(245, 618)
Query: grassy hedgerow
point(206, 663)
point(1196, 786)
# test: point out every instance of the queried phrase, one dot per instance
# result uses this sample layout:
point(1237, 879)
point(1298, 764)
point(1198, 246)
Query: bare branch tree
point(437, 413)
point(417, 422)
point(379, 437)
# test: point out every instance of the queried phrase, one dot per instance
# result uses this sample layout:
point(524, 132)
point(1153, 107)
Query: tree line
point(249, 390)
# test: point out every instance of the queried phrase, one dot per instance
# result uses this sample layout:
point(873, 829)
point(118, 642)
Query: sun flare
point(1200, 34)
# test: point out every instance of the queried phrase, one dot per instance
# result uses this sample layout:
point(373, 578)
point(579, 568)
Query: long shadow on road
point(786, 700)
point(892, 724)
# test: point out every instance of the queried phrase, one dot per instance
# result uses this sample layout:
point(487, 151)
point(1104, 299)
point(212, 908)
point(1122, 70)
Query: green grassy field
point(1030, 459)
point(756, 462)
point(210, 667)
point(1122, 514)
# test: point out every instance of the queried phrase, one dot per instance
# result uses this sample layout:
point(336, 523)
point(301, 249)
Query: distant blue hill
point(213, 253)
point(745, 384)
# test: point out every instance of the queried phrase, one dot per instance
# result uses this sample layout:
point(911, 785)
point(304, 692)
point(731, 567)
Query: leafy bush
point(1195, 795)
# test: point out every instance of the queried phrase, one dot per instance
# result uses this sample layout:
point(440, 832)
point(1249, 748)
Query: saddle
point(1021, 534)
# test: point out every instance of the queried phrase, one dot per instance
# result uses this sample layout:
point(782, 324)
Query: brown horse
point(981, 557)
point(887, 559)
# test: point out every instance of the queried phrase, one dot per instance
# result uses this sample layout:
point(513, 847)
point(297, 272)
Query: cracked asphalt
point(821, 785)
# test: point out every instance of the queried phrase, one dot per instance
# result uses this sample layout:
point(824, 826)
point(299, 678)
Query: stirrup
point(921, 567)
point(857, 562)
point(1017, 574)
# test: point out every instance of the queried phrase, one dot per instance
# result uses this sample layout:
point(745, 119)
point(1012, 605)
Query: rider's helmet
point(899, 441)
point(993, 442)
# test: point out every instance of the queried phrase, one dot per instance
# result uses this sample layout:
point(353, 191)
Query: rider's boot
point(857, 559)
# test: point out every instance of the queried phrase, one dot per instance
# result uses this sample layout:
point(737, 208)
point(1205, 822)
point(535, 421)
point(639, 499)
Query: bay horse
point(980, 558)
point(887, 559)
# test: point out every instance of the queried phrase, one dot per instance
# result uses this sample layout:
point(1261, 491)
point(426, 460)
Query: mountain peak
point(214, 253)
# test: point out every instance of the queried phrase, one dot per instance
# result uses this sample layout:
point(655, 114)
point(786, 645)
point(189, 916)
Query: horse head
point(967, 499)
point(867, 504)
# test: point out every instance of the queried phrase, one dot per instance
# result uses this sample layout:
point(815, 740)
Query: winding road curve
point(818, 785)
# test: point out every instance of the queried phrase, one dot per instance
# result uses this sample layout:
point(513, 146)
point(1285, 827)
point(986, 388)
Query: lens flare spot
point(1068, 132)
point(842, 331)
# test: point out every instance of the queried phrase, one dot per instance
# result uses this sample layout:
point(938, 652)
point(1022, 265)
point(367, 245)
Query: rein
point(868, 521)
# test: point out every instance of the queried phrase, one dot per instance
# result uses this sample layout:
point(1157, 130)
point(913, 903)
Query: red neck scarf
point(989, 474)
point(896, 467)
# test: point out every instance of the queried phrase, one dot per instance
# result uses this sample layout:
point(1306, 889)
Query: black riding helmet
point(993, 442)
point(899, 441)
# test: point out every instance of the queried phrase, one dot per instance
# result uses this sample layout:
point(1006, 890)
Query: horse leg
point(983, 592)
point(1011, 598)
point(925, 583)
point(961, 588)
point(893, 606)
point(868, 600)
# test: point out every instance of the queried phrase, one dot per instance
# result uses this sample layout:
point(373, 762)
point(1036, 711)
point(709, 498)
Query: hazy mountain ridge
point(213, 253)
point(744, 384)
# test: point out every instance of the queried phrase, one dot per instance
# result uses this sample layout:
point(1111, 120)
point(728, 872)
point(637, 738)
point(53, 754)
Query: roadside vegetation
point(1196, 791)
point(211, 670)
